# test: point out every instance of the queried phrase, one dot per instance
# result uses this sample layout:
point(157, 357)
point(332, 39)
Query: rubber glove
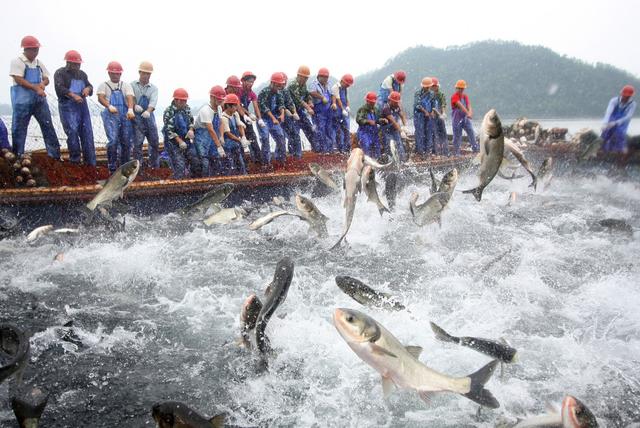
point(190, 134)
point(345, 113)
point(348, 110)
point(138, 108)
point(334, 107)
point(130, 114)
point(244, 142)
point(296, 116)
point(261, 123)
point(146, 114)
point(182, 145)
point(252, 116)
point(112, 109)
point(221, 152)
point(403, 135)
point(247, 119)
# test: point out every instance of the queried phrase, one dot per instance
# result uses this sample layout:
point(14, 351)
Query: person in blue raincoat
point(72, 88)
point(392, 82)
point(144, 126)
point(291, 124)
point(179, 135)
point(341, 109)
point(439, 115)
point(396, 128)
point(4, 138)
point(232, 129)
point(117, 98)
point(422, 106)
point(271, 104)
point(321, 95)
point(616, 121)
point(208, 139)
point(28, 98)
point(369, 121)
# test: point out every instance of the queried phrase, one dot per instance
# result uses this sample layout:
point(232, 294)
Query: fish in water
point(429, 211)
point(510, 149)
point(116, 184)
point(573, 414)
point(14, 351)
point(393, 148)
point(173, 414)
point(248, 317)
point(492, 348)
point(8, 224)
point(39, 232)
point(545, 173)
point(399, 364)
point(367, 296)
point(28, 404)
point(352, 186)
point(369, 185)
point(434, 181)
point(613, 225)
point(589, 144)
point(210, 201)
point(312, 215)
point(491, 151)
point(323, 176)
point(266, 219)
point(225, 216)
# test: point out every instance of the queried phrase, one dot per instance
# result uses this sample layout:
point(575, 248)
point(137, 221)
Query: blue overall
point(4, 138)
point(234, 151)
point(438, 131)
point(383, 93)
point(76, 122)
point(389, 132)
point(341, 126)
point(27, 103)
point(615, 138)
point(368, 137)
point(178, 157)
point(306, 125)
point(291, 129)
point(322, 120)
point(460, 121)
point(146, 128)
point(275, 130)
point(203, 143)
point(118, 130)
point(249, 132)
point(422, 123)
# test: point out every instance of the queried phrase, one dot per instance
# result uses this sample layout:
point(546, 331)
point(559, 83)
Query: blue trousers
point(235, 158)
point(323, 134)
point(341, 132)
point(254, 147)
point(118, 130)
point(4, 137)
point(369, 142)
point(458, 125)
point(20, 123)
point(424, 140)
point(307, 127)
point(179, 159)
point(76, 122)
point(292, 131)
point(278, 135)
point(146, 128)
point(615, 139)
point(439, 137)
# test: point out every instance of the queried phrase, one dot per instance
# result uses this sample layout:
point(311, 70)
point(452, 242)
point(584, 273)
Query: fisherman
point(232, 129)
point(4, 137)
point(341, 111)
point(208, 141)
point(72, 88)
point(146, 99)
point(304, 105)
point(249, 98)
point(461, 115)
point(396, 127)
point(271, 105)
point(234, 86)
point(616, 121)
point(290, 125)
point(438, 109)
point(368, 119)
point(321, 95)
point(117, 98)
point(422, 120)
point(178, 135)
point(28, 98)
point(392, 82)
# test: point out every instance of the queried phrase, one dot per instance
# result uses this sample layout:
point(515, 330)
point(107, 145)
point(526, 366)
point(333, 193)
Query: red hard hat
point(371, 97)
point(180, 94)
point(435, 81)
point(248, 75)
point(73, 56)
point(323, 72)
point(400, 76)
point(278, 78)
point(218, 92)
point(627, 91)
point(231, 99)
point(347, 79)
point(234, 82)
point(394, 96)
point(114, 67)
point(29, 42)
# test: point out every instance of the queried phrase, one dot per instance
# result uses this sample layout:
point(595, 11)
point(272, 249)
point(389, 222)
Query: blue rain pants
point(341, 125)
point(146, 128)
point(76, 122)
point(278, 135)
point(178, 157)
point(118, 130)
point(369, 138)
point(322, 120)
point(4, 137)
point(235, 154)
point(615, 138)
point(291, 128)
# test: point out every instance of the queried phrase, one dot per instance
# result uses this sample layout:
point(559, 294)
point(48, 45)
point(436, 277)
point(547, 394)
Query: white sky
point(196, 44)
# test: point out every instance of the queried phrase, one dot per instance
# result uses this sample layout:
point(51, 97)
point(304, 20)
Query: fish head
point(172, 414)
point(413, 198)
point(304, 204)
point(451, 177)
point(225, 189)
point(491, 124)
point(548, 163)
point(130, 169)
point(355, 327)
point(576, 415)
point(250, 309)
point(314, 167)
point(348, 285)
point(29, 402)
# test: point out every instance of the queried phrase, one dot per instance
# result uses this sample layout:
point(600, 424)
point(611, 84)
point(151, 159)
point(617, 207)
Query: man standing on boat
point(28, 98)
point(368, 120)
point(461, 115)
point(396, 127)
point(439, 130)
point(341, 110)
point(422, 102)
point(179, 135)
point(249, 98)
point(72, 88)
point(304, 106)
point(208, 141)
point(616, 121)
point(146, 98)
point(321, 94)
point(392, 82)
point(271, 104)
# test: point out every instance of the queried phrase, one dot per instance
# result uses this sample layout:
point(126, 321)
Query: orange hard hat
point(231, 99)
point(217, 92)
point(347, 79)
point(234, 82)
point(400, 76)
point(427, 82)
point(371, 97)
point(278, 78)
point(461, 84)
point(394, 96)
point(304, 71)
point(323, 72)
point(627, 91)
point(114, 67)
point(180, 94)
point(73, 56)
point(29, 42)
point(248, 75)
point(435, 81)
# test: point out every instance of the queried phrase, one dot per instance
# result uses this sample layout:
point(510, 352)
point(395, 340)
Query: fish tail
point(477, 192)
point(382, 209)
point(443, 335)
point(337, 244)
point(477, 392)
point(217, 421)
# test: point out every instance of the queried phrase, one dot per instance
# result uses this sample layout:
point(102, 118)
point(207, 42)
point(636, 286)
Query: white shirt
point(106, 88)
point(18, 66)
point(224, 121)
point(335, 91)
point(387, 83)
point(204, 117)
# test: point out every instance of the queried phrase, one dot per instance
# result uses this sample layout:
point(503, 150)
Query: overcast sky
point(196, 44)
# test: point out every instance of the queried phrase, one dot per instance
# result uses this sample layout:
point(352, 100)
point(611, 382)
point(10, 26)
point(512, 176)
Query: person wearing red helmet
point(321, 95)
point(616, 121)
point(291, 125)
point(369, 121)
point(72, 88)
point(461, 115)
point(179, 135)
point(249, 98)
point(232, 130)
point(422, 117)
point(397, 124)
point(117, 98)
point(340, 106)
point(28, 98)
point(271, 105)
point(393, 82)
point(439, 129)
point(304, 106)
point(144, 126)
point(208, 138)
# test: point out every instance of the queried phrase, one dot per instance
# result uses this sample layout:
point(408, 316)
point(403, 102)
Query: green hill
point(513, 78)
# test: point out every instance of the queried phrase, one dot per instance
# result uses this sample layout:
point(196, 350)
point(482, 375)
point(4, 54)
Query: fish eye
point(579, 411)
point(349, 318)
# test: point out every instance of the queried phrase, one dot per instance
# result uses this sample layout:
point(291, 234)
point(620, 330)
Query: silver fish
point(312, 215)
point(545, 173)
point(210, 201)
point(511, 149)
point(573, 414)
point(173, 414)
point(368, 183)
point(226, 216)
point(323, 176)
point(492, 348)
point(266, 219)
point(429, 211)
point(367, 296)
point(39, 232)
point(116, 184)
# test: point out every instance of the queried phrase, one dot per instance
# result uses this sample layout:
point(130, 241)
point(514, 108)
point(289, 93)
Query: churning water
point(155, 310)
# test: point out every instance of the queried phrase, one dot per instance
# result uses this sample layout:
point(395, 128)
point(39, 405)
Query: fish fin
point(414, 350)
point(217, 421)
point(68, 324)
point(337, 244)
point(101, 182)
point(443, 335)
point(267, 290)
point(439, 220)
point(387, 386)
point(382, 209)
point(477, 192)
point(426, 396)
point(381, 351)
point(477, 392)
point(534, 182)
point(434, 183)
